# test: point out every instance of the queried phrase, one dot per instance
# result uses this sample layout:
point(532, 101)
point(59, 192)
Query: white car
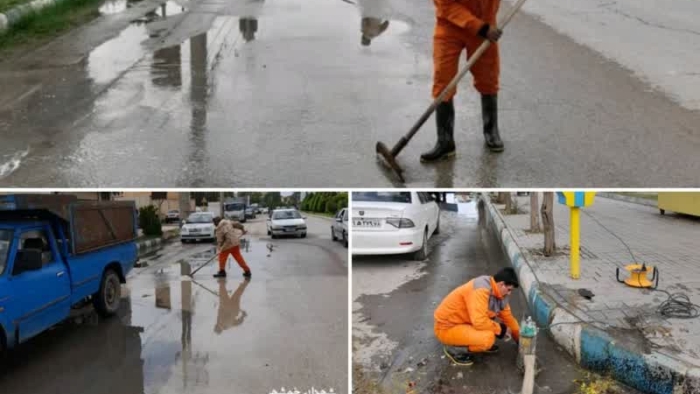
point(286, 222)
point(393, 223)
point(172, 216)
point(339, 228)
point(199, 225)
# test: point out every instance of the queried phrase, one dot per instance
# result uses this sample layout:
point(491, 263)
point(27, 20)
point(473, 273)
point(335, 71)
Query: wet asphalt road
point(393, 340)
point(282, 93)
point(286, 327)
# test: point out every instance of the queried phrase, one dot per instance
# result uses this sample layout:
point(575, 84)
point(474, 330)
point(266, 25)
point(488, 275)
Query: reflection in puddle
point(248, 27)
point(230, 313)
point(169, 8)
point(10, 164)
point(113, 7)
point(115, 56)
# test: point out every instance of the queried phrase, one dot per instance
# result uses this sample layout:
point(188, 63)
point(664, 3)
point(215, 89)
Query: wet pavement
point(210, 93)
point(286, 327)
point(393, 340)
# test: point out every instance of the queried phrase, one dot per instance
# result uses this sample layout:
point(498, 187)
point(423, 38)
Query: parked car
point(339, 228)
point(250, 213)
point(393, 223)
point(172, 216)
point(286, 222)
point(198, 226)
point(59, 259)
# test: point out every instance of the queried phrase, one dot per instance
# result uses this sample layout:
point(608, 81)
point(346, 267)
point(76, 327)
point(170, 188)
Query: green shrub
point(149, 221)
point(330, 206)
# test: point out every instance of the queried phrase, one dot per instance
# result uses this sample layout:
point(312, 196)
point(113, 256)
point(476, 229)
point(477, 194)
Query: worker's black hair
point(508, 276)
point(217, 220)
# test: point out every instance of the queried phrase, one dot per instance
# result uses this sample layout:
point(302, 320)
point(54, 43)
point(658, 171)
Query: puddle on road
point(117, 55)
point(10, 163)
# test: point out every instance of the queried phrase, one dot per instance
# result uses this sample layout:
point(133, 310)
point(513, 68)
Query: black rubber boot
point(489, 114)
point(445, 122)
point(461, 358)
point(247, 274)
point(220, 274)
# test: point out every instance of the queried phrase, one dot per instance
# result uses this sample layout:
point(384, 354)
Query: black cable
point(611, 233)
point(678, 306)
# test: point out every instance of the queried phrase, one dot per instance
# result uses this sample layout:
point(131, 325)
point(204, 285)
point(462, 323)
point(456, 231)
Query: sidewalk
point(147, 245)
point(625, 336)
point(316, 215)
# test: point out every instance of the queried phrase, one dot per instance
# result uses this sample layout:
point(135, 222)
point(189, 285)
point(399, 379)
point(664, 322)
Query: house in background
point(164, 201)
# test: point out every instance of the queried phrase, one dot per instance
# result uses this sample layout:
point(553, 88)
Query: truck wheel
point(107, 300)
point(333, 237)
point(3, 347)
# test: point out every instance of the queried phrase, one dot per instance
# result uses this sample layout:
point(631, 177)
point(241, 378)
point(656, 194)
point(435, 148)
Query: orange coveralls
point(457, 27)
point(465, 316)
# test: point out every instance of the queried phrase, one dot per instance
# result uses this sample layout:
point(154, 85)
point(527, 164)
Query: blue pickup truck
point(60, 256)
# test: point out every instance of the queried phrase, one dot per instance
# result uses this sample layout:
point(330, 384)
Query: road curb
point(592, 348)
point(17, 13)
point(148, 245)
point(630, 199)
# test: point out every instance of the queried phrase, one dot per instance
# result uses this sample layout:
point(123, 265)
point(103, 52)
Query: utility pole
point(221, 205)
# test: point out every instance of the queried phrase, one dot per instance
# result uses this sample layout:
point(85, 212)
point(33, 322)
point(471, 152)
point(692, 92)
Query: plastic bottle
point(528, 340)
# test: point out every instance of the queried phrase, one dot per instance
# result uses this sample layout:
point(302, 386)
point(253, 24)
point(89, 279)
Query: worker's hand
point(493, 34)
point(504, 329)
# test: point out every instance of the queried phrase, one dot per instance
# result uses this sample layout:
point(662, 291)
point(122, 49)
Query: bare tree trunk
point(534, 216)
point(501, 197)
point(509, 203)
point(548, 223)
point(184, 203)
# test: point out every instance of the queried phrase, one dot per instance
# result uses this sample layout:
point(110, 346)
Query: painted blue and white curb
point(594, 349)
point(148, 244)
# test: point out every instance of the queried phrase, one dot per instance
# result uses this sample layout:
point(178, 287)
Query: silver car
point(339, 228)
point(199, 225)
point(286, 222)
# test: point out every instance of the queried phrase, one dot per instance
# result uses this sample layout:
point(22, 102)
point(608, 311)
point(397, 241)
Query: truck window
point(234, 207)
point(5, 239)
point(37, 240)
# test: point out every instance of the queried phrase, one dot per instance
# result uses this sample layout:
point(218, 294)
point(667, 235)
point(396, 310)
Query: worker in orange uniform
point(465, 24)
point(228, 240)
point(465, 318)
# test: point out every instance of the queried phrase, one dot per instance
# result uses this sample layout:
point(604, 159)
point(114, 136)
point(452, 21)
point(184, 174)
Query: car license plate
point(194, 230)
point(367, 222)
point(289, 229)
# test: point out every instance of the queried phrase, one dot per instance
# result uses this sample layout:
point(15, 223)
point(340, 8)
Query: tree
point(548, 223)
point(256, 197)
point(534, 216)
point(508, 199)
point(149, 221)
point(157, 200)
point(272, 200)
point(184, 204)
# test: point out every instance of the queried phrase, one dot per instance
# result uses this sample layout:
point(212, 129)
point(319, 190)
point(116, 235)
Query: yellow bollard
point(574, 242)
